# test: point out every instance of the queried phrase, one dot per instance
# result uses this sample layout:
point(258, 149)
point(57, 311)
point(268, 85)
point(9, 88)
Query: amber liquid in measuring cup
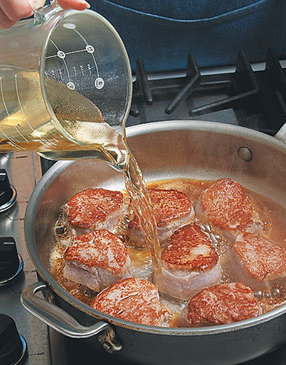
point(77, 131)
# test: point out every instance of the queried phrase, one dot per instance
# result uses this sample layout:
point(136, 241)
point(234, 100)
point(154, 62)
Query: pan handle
point(281, 134)
point(64, 323)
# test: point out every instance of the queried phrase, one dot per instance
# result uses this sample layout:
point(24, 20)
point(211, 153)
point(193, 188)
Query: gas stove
point(252, 96)
point(21, 171)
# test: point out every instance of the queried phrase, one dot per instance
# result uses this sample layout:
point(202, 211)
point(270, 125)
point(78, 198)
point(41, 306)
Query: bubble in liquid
point(212, 236)
point(203, 228)
point(258, 295)
point(208, 228)
point(276, 292)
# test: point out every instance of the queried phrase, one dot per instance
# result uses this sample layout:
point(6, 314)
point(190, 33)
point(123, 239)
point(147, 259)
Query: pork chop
point(227, 206)
point(220, 304)
point(190, 263)
point(96, 260)
point(134, 300)
point(260, 259)
point(98, 208)
point(172, 210)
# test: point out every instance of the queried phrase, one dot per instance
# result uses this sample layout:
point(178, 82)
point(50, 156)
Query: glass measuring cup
point(65, 84)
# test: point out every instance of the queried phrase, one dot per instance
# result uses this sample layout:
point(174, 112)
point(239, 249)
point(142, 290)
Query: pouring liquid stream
point(111, 147)
point(104, 142)
point(79, 131)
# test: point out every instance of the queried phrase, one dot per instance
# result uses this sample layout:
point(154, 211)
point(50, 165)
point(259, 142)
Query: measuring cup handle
point(39, 4)
point(40, 11)
point(54, 3)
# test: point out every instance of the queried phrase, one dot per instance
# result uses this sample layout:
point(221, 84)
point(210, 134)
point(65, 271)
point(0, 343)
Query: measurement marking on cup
point(6, 109)
point(66, 66)
point(19, 101)
point(62, 55)
point(2, 94)
point(99, 82)
point(22, 109)
point(81, 36)
point(21, 134)
point(61, 75)
point(89, 48)
point(67, 53)
point(10, 140)
point(17, 92)
point(79, 51)
point(89, 69)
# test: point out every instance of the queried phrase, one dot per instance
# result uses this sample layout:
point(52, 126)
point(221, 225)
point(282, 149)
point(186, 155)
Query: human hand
point(14, 10)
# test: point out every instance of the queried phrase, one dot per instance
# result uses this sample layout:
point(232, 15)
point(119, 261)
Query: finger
point(5, 22)
point(16, 9)
point(74, 4)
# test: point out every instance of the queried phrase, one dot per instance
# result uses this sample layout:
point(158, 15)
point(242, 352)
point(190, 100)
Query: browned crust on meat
point(260, 257)
point(100, 249)
point(168, 205)
point(226, 205)
point(93, 205)
point(189, 249)
point(221, 304)
point(134, 300)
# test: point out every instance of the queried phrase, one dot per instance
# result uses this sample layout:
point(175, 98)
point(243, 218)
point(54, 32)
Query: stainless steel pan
point(193, 149)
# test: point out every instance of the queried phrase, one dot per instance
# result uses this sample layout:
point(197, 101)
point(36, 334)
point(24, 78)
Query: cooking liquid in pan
point(273, 217)
point(96, 139)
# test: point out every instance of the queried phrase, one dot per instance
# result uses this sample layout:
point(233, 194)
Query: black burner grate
point(258, 98)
